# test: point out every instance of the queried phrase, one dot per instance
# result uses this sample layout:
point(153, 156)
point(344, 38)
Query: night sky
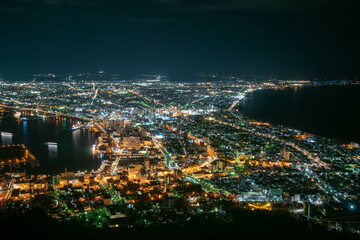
point(282, 38)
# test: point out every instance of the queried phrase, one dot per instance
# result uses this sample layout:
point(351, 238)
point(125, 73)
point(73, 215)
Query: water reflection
point(25, 127)
point(52, 151)
point(329, 111)
point(6, 138)
point(76, 138)
point(71, 148)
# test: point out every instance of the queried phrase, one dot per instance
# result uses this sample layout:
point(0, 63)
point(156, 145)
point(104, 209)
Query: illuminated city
point(174, 148)
point(179, 119)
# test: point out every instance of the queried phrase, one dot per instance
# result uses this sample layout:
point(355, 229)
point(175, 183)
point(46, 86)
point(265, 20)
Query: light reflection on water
point(329, 111)
point(72, 148)
point(6, 138)
point(52, 150)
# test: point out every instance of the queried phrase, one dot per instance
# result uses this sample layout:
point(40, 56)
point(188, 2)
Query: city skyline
point(180, 119)
point(111, 153)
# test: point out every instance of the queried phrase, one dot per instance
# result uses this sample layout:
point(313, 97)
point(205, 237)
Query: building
point(132, 143)
point(285, 154)
point(134, 172)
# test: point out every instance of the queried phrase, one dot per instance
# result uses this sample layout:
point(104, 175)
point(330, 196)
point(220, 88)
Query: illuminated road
point(50, 113)
point(169, 161)
point(206, 185)
point(306, 170)
point(9, 191)
point(306, 153)
point(96, 92)
point(115, 163)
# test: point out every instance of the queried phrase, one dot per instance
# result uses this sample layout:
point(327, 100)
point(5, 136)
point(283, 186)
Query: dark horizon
point(285, 39)
point(191, 77)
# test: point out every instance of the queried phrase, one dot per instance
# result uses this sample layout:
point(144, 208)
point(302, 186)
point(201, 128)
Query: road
point(306, 153)
point(306, 169)
point(9, 191)
point(168, 158)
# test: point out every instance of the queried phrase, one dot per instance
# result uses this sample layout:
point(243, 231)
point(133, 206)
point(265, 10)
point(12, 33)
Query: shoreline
point(246, 95)
point(48, 166)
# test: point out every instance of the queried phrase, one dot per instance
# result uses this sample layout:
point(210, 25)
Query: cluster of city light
point(193, 134)
point(262, 206)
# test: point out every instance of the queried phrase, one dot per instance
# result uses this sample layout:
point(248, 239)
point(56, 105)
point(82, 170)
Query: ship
point(17, 115)
point(6, 134)
point(77, 126)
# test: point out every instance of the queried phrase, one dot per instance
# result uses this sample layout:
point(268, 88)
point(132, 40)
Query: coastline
point(48, 145)
point(240, 110)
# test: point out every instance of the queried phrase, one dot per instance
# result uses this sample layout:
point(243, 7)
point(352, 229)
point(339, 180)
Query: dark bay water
point(73, 150)
point(329, 111)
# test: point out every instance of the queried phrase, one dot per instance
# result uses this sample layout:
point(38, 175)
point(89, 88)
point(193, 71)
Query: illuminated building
point(132, 143)
point(285, 154)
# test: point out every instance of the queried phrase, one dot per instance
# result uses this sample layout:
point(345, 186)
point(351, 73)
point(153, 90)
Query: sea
point(52, 142)
point(327, 111)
